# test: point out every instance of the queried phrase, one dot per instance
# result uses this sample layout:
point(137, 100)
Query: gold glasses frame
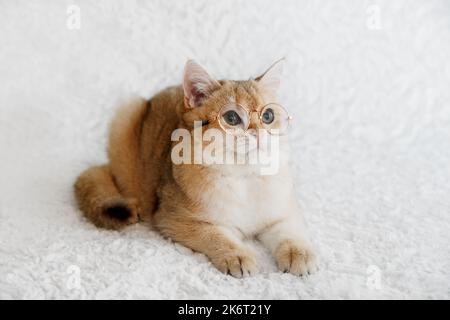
point(249, 114)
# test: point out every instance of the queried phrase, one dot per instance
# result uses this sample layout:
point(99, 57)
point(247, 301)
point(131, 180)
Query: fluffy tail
point(100, 200)
point(110, 195)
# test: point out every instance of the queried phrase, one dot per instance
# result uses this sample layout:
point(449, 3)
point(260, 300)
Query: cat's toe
point(237, 264)
point(295, 258)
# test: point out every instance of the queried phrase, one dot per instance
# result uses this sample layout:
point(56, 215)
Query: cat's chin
point(237, 170)
point(247, 164)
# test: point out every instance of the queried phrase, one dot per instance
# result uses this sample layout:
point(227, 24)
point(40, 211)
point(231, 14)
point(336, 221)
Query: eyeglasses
point(235, 119)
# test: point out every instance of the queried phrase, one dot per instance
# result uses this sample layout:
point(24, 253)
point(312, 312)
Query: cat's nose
point(253, 132)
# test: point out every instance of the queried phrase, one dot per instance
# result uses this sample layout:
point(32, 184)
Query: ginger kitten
point(210, 207)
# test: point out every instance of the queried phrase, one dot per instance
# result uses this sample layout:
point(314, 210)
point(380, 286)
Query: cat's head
point(245, 112)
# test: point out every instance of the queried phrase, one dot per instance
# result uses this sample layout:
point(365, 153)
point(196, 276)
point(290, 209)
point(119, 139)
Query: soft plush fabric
point(368, 83)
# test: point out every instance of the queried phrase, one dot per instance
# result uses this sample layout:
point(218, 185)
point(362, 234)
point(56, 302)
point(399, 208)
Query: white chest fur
point(249, 203)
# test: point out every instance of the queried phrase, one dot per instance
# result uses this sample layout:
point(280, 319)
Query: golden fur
point(140, 182)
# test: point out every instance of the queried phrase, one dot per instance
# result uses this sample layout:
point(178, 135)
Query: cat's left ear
point(197, 84)
point(270, 80)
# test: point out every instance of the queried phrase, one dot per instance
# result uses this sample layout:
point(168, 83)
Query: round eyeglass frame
point(260, 114)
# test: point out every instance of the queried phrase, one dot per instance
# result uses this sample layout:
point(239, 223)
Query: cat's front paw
point(296, 258)
point(238, 263)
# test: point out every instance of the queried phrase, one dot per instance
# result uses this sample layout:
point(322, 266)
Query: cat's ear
point(197, 84)
point(270, 80)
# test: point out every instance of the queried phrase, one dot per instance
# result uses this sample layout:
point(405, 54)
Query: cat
point(210, 208)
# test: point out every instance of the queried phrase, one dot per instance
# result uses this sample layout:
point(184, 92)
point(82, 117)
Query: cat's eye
point(232, 118)
point(275, 119)
point(267, 116)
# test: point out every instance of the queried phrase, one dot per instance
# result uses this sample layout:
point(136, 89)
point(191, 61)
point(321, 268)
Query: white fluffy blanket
point(367, 82)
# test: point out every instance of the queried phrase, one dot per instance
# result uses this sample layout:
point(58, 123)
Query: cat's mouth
point(249, 143)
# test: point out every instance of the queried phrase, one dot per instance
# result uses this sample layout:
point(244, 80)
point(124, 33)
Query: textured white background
point(371, 141)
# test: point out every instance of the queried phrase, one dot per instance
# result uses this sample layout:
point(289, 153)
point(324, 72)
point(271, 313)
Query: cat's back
point(162, 116)
point(139, 143)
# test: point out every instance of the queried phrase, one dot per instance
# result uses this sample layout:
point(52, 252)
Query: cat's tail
point(100, 200)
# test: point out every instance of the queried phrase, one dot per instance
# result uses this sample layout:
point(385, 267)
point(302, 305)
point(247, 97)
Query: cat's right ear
point(270, 80)
point(197, 84)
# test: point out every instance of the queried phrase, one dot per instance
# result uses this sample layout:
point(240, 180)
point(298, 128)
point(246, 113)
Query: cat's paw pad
point(237, 263)
point(295, 258)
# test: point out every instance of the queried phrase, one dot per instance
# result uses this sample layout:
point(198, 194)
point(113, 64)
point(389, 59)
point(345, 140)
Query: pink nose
point(253, 132)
